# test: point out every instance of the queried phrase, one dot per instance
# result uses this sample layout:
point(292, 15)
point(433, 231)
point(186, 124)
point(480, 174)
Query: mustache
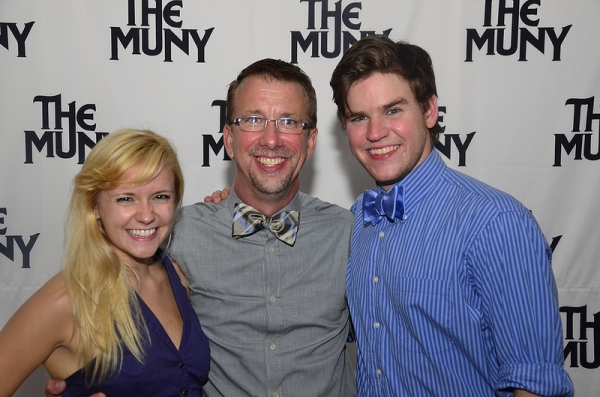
point(264, 152)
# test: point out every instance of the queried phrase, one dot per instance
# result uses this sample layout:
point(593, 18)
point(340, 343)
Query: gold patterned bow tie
point(248, 220)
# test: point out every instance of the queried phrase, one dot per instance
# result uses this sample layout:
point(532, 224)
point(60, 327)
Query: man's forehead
point(258, 91)
point(389, 84)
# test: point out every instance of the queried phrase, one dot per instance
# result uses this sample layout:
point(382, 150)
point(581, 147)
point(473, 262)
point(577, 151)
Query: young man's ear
point(432, 113)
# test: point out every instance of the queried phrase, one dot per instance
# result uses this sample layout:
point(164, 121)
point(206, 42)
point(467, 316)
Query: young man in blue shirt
point(449, 281)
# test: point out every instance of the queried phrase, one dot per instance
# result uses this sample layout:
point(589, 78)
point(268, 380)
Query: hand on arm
point(55, 387)
point(218, 196)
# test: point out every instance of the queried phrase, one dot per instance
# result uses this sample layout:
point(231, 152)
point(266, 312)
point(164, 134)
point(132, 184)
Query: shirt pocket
point(424, 311)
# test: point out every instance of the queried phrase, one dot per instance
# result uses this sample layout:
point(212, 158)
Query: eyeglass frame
point(276, 121)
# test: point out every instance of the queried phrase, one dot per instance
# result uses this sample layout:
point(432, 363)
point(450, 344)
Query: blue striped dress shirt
point(458, 299)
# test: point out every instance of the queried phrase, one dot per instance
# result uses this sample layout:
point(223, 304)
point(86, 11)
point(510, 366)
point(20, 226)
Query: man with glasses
point(269, 293)
point(266, 267)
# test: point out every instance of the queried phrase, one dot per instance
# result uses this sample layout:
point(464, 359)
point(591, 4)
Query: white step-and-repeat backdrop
point(517, 81)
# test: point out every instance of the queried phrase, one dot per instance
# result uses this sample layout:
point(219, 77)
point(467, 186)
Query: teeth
point(142, 233)
point(384, 150)
point(268, 161)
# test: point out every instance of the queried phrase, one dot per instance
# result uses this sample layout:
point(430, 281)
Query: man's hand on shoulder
point(55, 387)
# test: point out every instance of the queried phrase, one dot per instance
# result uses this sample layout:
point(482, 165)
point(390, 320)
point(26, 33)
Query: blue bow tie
point(386, 203)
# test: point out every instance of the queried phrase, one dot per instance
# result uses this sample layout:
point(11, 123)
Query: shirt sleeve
point(511, 265)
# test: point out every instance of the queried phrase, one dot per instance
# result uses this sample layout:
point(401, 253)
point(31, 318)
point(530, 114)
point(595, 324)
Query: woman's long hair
point(106, 310)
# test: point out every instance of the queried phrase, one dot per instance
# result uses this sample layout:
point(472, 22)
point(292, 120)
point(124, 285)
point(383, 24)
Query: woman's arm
point(41, 328)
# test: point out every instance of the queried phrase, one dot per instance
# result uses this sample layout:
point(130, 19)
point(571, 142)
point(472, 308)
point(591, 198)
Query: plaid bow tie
point(248, 220)
point(387, 203)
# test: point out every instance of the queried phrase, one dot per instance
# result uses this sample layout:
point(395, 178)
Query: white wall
point(519, 103)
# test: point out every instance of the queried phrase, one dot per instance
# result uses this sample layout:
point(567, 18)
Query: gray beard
point(282, 184)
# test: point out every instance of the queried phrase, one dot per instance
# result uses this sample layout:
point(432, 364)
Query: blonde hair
point(106, 310)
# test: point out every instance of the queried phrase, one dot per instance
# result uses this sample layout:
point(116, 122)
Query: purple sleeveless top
point(166, 371)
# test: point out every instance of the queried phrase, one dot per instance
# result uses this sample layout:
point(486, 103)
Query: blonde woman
point(117, 318)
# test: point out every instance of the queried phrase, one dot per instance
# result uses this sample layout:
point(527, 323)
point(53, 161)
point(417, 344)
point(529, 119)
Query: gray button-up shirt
point(276, 316)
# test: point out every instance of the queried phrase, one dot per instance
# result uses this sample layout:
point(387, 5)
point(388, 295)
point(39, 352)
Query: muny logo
point(164, 38)
point(580, 143)
point(320, 40)
point(208, 140)
point(582, 336)
point(522, 32)
point(52, 139)
point(8, 250)
point(19, 36)
point(452, 140)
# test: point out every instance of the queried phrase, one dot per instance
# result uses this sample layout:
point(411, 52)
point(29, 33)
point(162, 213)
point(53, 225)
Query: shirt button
point(376, 325)
point(378, 372)
point(272, 299)
point(381, 234)
point(273, 346)
point(181, 365)
point(185, 392)
point(375, 279)
point(271, 250)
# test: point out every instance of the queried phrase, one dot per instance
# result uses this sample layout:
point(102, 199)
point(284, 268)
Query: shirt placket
point(274, 317)
point(375, 320)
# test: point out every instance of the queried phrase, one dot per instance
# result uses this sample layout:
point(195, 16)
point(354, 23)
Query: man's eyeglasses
point(257, 124)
